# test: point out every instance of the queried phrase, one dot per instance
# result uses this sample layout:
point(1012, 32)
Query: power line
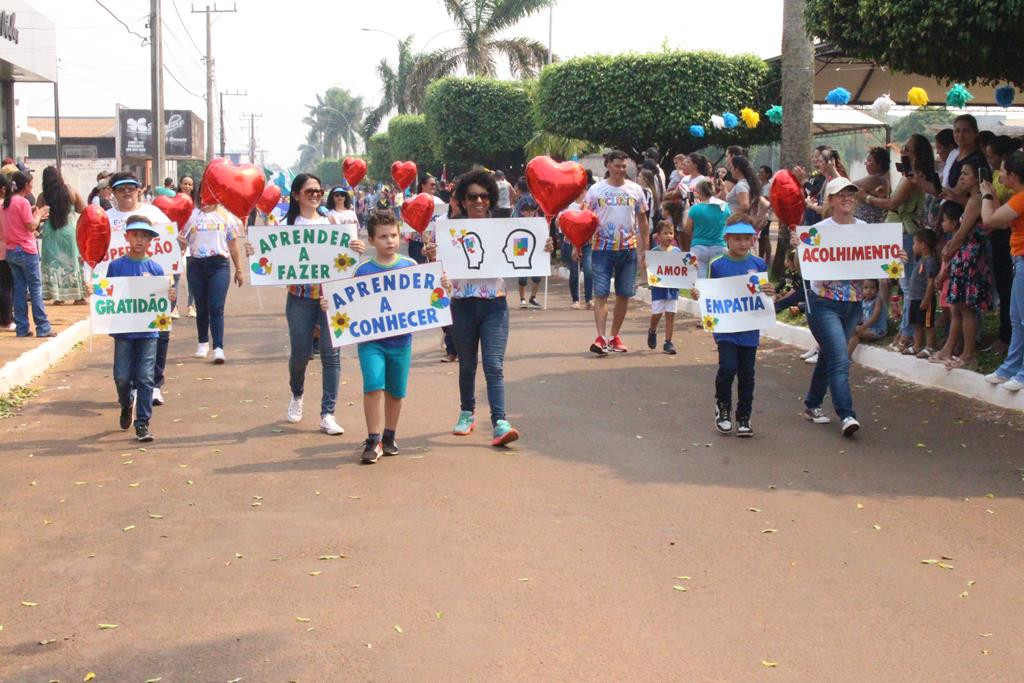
point(187, 34)
point(175, 79)
point(126, 26)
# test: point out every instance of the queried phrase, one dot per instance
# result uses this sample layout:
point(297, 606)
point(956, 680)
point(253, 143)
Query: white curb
point(35, 362)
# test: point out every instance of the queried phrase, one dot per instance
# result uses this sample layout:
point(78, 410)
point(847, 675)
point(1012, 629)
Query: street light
point(399, 40)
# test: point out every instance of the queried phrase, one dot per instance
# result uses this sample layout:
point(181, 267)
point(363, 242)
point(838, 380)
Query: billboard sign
point(183, 134)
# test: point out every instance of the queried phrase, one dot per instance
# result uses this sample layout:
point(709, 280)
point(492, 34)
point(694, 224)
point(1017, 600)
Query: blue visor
point(146, 227)
point(740, 229)
point(126, 181)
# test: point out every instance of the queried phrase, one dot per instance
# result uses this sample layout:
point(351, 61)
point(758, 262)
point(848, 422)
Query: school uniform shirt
point(618, 208)
point(118, 218)
point(664, 293)
point(126, 266)
point(313, 291)
point(210, 232)
point(838, 290)
point(726, 266)
point(372, 267)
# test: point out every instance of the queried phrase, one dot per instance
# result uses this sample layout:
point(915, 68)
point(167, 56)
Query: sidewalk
point(25, 358)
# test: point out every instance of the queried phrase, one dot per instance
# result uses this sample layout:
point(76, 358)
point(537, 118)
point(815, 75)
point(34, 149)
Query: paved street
point(620, 539)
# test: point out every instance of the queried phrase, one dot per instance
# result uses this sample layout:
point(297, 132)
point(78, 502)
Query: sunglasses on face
point(481, 197)
point(126, 189)
point(313, 193)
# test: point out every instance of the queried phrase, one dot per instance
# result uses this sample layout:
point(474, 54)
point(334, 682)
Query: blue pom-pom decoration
point(730, 119)
point(697, 131)
point(838, 96)
point(1004, 95)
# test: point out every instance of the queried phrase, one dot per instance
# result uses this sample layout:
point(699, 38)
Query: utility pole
point(223, 135)
point(157, 85)
point(252, 136)
point(209, 12)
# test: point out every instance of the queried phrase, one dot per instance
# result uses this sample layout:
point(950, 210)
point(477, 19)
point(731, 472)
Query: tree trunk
point(797, 102)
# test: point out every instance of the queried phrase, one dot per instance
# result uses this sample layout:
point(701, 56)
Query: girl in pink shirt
point(20, 223)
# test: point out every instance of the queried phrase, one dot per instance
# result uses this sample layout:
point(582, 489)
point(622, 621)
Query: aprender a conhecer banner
point(400, 301)
point(300, 254)
point(493, 247)
point(850, 252)
point(129, 304)
point(735, 304)
point(671, 269)
point(164, 249)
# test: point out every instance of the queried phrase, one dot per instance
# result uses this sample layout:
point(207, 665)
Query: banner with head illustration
point(300, 254)
point(671, 269)
point(735, 304)
point(129, 304)
point(493, 247)
point(164, 249)
point(400, 301)
point(850, 252)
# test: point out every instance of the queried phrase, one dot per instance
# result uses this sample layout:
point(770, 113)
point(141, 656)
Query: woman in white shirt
point(339, 207)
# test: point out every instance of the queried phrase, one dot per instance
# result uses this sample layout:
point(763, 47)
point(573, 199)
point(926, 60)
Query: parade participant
point(60, 263)
point(212, 237)
point(383, 362)
point(663, 299)
point(339, 207)
point(186, 186)
point(705, 223)
point(21, 225)
point(427, 185)
point(621, 209)
point(576, 259)
point(505, 196)
point(135, 352)
point(737, 351)
point(303, 311)
point(528, 209)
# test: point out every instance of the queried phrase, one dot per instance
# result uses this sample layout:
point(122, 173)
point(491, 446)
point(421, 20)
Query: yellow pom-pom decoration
point(750, 117)
point(917, 97)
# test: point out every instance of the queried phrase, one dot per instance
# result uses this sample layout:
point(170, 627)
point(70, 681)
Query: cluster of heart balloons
point(555, 186)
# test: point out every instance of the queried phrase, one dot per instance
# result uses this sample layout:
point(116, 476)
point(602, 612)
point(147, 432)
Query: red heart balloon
point(93, 235)
point(418, 211)
point(578, 226)
point(236, 188)
point(354, 170)
point(178, 208)
point(554, 185)
point(787, 198)
point(403, 173)
point(269, 199)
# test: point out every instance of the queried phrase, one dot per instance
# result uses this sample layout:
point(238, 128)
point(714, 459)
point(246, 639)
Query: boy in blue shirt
point(736, 350)
point(135, 352)
point(663, 299)
point(384, 362)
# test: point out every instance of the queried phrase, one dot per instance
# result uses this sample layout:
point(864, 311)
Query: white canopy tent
point(832, 120)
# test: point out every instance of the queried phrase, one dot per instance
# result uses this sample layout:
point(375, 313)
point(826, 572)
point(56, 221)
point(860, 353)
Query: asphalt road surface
point(620, 538)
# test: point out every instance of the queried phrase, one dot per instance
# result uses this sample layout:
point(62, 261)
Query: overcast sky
point(283, 53)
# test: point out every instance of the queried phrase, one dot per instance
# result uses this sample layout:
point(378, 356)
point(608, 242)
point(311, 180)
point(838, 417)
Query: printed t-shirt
point(663, 293)
point(838, 290)
point(727, 266)
point(373, 266)
point(618, 207)
point(16, 218)
point(118, 218)
point(209, 232)
point(708, 224)
point(1017, 226)
point(313, 291)
point(126, 266)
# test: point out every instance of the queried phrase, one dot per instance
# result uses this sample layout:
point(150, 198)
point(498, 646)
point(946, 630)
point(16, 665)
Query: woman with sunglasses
point(304, 309)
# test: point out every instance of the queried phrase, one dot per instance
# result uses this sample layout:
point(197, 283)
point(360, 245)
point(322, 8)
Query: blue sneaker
point(504, 433)
point(465, 425)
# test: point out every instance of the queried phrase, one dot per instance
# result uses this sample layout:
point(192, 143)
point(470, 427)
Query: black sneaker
point(142, 432)
point(371, 452)
point(669, 348)
point(390, 447)
point(743, 427)
point(534, 303)
point(722, 421)
point(652, 339)
point(126, 416)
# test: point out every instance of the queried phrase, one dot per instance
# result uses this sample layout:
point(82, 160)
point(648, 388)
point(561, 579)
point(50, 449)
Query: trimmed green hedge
point(410, 140)
point(378, 149)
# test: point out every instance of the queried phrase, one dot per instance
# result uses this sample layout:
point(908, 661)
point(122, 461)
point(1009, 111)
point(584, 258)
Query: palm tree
point(395, 90)
point(310, 152)
point(335, 121)
point(479, 23)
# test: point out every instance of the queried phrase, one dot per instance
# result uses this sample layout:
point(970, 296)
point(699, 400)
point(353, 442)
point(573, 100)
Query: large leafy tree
point(480, 23)
point(396, 92)
point(951, 40)
point(335, 122)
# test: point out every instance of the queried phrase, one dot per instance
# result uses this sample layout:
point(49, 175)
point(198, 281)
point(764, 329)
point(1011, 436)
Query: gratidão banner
point(300, 254)
point(400, 301)
point(129, 304)
point(493, 247)
point(850, 252)
point(164, 249)
point(735, 304)
point(671, 269)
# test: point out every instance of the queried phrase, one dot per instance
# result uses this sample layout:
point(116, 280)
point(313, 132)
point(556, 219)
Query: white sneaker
point(522, 303)
point(1013, 385)
point(158, 397)
point(994, 378)
point(191, 311)
point(218, 356)
point(201, 350)
point(808, 353)
point(812, 359)
point(329, 425)
point(295, 409)
point(850, 425)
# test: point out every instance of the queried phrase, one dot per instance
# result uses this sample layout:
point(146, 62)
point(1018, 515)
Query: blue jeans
point(134, 365)
point(302, 316)
point(736, 361)
point(209, 278)
point(621, 265)
point(162, 343)
point(832, 323)
point(906, 329)
point(6, 303)
point(481, 325)
point(28, 283)
point(574, 272)
point(1013, 366)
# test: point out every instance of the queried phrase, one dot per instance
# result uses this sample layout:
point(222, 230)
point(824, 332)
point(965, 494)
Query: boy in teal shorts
point(384, 362)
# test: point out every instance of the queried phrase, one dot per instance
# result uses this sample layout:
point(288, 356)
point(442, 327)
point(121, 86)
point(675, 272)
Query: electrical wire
point(175, 79)
point(126, 26)
point(187, 34)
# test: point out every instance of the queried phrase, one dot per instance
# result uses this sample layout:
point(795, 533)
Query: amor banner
point(129, 304)
point(300, 254)
point(492, 247)
point(164, 249)
point(400, 301)
point(671, 269)
point(850, 251)
point(735, 304)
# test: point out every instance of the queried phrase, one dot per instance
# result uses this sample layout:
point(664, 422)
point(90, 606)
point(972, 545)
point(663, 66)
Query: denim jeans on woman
point(832, 323)
point(1013, 366)
point(303, 315)
point(574, 272)
point(28, 283)
point(481, 325)
point(209, 279)
point(134, 367)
